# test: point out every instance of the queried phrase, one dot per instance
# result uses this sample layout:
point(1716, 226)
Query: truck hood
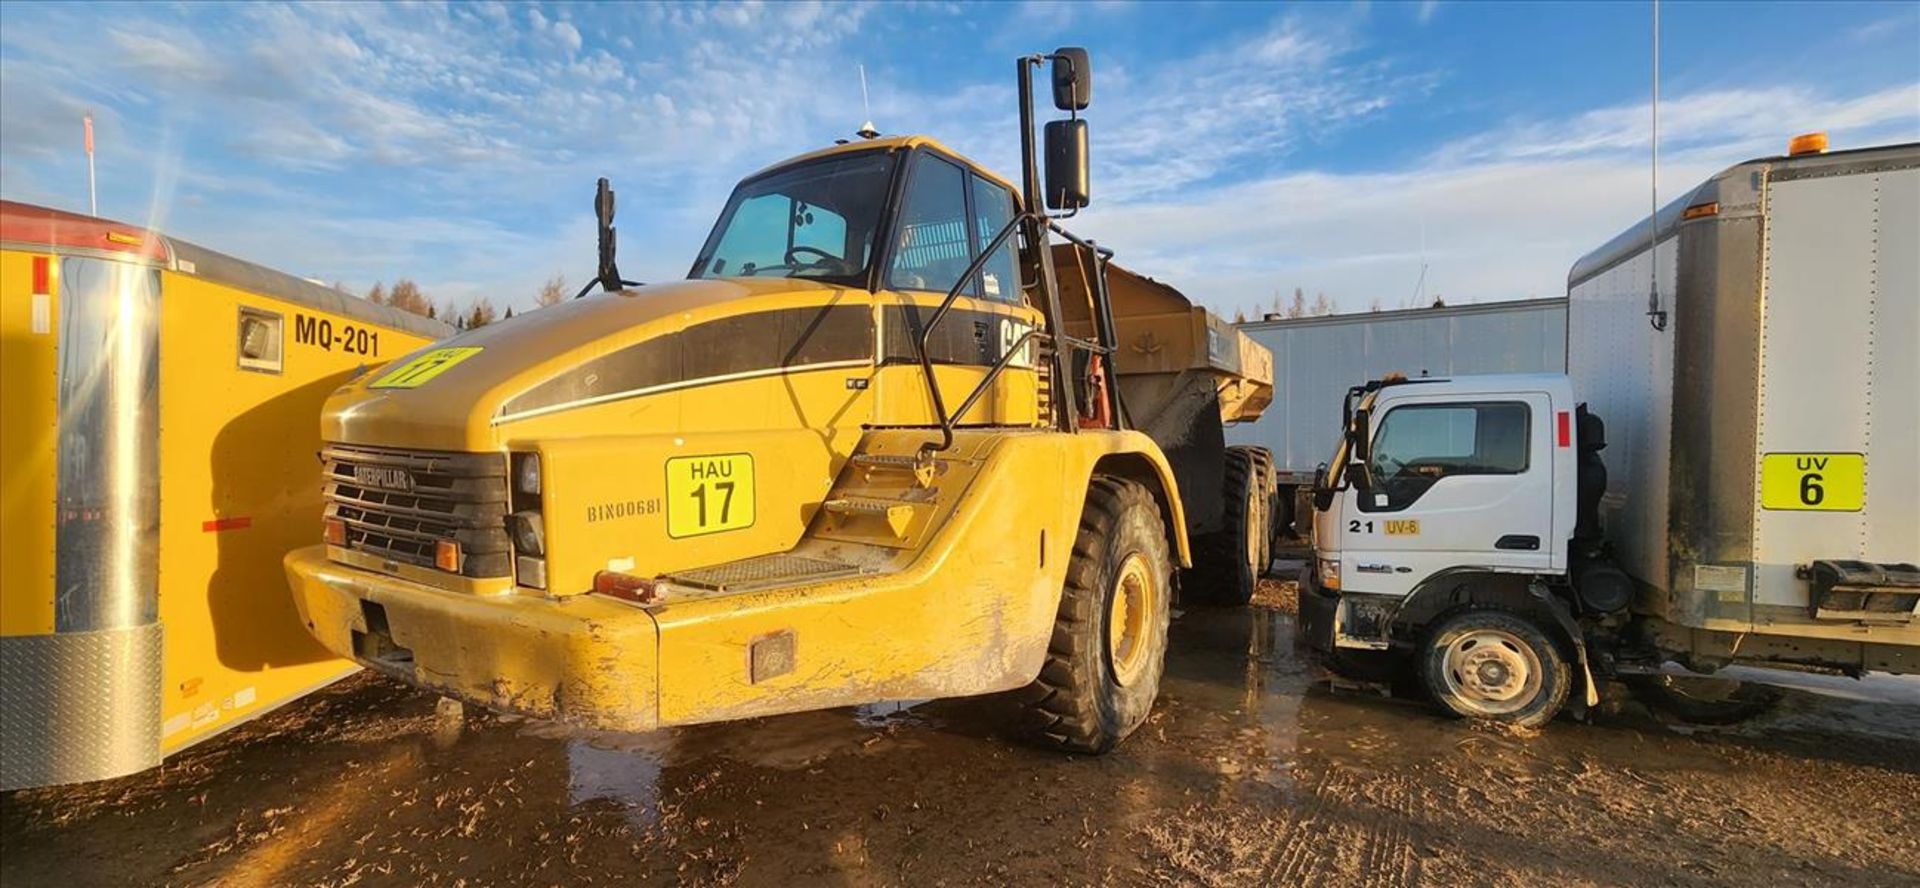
point(456, 407)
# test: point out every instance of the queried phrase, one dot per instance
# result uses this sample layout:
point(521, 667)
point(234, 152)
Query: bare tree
point(1298, 307)
point(406, 296)
point(553, 292)
point(378, 294)
point(1322, 306)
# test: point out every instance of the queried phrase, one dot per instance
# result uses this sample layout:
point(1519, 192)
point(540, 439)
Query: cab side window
point(992, 208)
point(932, 247)
point(1419, 444)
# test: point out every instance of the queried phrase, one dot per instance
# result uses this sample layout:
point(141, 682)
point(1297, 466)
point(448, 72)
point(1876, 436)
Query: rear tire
point(1267, 508)
point(1226, 562)
point(1109, 642)
point(1495, 665)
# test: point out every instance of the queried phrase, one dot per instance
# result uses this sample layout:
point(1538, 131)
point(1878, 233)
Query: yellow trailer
point(858, 455)
point(157, 445)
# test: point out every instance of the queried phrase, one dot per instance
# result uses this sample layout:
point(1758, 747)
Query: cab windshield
point(817, 220)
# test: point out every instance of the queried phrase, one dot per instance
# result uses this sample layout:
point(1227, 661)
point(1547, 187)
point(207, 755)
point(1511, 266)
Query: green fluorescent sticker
point(424, 368)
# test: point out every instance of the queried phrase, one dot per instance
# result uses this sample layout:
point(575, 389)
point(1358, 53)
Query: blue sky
point(1240, 149)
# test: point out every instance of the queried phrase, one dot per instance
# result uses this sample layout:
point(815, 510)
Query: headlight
point(529, 537)
point(526, 476)
point(1330, 573)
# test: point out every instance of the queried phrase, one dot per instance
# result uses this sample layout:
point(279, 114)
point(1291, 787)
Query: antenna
point(93, 194)
point(1420, 286)
point(866, 130)
point(1656, 315)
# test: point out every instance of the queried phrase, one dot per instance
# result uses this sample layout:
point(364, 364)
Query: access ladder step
point(897, 514)
point(921, 468)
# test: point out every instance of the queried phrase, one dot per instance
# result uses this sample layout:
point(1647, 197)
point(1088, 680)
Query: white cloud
point(1502, 216)
point(472, 113)
point(1703, 118)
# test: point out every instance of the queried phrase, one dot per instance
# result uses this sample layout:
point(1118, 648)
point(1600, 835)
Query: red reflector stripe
point(1566, 428)
point(42, 276)
point(219, 524)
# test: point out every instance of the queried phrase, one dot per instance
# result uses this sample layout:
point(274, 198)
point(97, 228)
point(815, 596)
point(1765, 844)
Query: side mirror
point(1322, 489)
point(1072, 79)
point(1358, 438)
point(1066, 164)
point(603, 203)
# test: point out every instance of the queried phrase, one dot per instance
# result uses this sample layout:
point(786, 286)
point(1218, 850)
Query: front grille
point(397, 504)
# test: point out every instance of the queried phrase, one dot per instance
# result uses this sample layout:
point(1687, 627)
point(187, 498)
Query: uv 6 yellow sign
point(1823, 482)
point(709, 494)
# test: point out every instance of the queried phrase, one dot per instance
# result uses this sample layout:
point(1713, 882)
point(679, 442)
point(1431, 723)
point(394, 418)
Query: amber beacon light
point(1807, 143)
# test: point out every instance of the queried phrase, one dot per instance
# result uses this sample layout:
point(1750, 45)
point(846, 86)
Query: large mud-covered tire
point(1265, 513)
point(1226, 563)
point(1495, 665)
point(1109, 643)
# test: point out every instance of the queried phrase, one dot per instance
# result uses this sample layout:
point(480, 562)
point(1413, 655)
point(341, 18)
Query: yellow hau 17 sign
point(1821, 482)
point(709, 494)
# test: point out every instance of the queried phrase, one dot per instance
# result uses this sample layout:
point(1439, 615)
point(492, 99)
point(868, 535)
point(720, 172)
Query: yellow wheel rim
point(1134, 601)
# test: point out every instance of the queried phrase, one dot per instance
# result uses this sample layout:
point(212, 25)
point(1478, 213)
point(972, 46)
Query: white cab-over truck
point(1729, 471)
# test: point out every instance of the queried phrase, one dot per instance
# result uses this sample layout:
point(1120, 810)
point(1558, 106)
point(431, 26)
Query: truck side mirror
point(1358, 438)
point(1072, 79)
point(1066, 164)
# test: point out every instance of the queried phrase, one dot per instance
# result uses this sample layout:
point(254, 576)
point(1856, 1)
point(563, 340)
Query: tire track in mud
point(1348, 829)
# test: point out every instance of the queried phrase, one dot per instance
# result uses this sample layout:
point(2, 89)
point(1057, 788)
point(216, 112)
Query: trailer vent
point(400, 505)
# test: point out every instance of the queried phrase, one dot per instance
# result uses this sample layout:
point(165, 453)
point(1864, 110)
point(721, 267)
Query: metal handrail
point(993, 372)
point(926, 332)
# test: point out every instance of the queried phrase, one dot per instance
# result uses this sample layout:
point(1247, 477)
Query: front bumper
point(584, 659)
point(1317, 608)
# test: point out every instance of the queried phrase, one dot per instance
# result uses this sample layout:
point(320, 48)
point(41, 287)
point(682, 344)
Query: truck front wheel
point(1495, 665)
point(1109, 641)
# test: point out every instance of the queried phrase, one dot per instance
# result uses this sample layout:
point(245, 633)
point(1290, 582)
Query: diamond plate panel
point(79, 705)
point(762, 572)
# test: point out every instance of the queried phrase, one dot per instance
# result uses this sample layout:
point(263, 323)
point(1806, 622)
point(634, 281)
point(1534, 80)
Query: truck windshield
point(816, 220)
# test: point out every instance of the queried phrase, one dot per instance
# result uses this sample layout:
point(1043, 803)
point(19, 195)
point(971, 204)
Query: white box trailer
point(1770, 433)
point(1729, 470)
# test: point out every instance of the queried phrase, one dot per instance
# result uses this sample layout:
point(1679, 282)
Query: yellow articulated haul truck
point(871, 450)
point(156, 395)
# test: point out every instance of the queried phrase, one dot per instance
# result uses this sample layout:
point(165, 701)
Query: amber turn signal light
point(446, 556)
point(336, 531)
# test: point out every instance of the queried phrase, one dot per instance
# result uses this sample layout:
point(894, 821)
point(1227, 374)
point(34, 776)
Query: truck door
point(948, 215)
point(1454, 483)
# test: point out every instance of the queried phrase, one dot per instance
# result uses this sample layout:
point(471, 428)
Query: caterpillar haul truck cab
point(1726, 474)
point(859, 455)
point(157, 399)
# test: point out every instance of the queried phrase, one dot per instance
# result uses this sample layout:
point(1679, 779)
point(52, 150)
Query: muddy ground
point(1251, 772)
